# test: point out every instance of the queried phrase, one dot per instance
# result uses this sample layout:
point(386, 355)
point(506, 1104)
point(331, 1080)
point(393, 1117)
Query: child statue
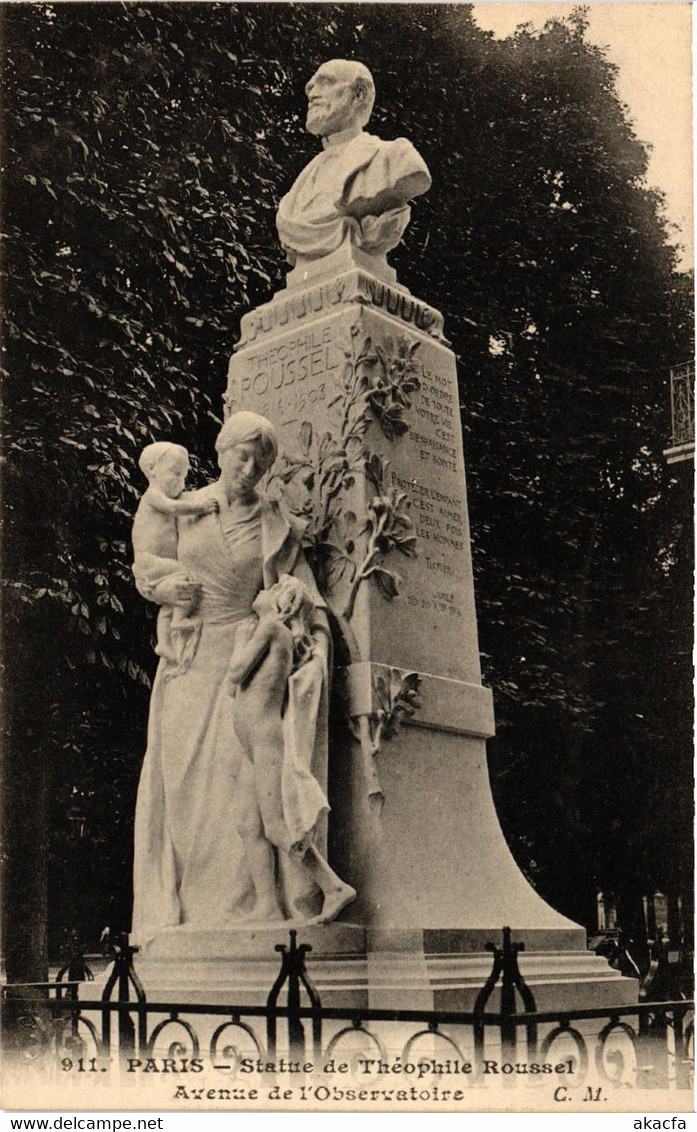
point(154, 537)
point(279, 800)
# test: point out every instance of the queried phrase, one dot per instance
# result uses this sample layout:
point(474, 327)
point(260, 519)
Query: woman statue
point(192, 866)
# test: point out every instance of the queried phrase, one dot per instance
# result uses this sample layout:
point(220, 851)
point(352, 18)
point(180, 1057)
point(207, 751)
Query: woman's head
point(243, 428)
point(247, 446)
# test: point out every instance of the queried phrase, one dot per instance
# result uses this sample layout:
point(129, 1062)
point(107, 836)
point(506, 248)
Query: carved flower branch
point(388, 527)
point(375, 383)
point(392, 376)
point(397, 702)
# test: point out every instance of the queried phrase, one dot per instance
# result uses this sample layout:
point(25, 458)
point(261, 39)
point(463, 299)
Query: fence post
point(505, 965)
point(123, 976)
point(293, 973)
point(77, 971)
point(75, 967)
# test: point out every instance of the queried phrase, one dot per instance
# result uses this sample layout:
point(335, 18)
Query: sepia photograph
point(347, 557)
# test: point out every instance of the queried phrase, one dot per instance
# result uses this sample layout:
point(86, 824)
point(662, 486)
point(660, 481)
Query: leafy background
point(146, 147)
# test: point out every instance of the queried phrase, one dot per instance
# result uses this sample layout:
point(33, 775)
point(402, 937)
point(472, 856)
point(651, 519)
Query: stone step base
point(352, 966)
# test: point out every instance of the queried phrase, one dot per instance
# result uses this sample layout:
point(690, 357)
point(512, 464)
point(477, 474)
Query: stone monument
point(358, 379)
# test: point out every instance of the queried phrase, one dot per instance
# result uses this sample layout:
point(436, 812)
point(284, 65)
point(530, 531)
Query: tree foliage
point(146, 149)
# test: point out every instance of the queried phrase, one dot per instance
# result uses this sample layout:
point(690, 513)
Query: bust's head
point(340, 97)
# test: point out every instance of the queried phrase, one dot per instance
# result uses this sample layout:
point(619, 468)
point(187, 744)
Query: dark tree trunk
point(25, 848)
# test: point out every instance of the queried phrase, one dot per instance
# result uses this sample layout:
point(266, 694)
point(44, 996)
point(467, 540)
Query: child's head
point(292, 597)
point(264, 604)
point(292, 603)
point(165, 465)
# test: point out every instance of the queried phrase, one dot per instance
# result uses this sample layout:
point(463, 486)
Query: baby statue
point(280, 801)
point(154, 537)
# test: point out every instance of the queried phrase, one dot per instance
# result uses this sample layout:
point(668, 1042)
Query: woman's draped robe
point(189, 862)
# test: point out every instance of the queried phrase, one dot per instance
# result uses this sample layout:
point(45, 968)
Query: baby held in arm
point(269, 648)
point(154, 537)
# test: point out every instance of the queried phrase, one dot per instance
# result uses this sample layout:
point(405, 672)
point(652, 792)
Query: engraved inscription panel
point(431, 625)
point(293, 378)
point(288, 378)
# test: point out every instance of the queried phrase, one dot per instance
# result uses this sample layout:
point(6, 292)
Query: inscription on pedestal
point(384, 499)
point(284, 380)
point(431, 625)
point(439, 517)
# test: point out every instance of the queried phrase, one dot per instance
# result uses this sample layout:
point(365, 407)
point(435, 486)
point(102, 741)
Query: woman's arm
point(175, 591)
point(164, 588)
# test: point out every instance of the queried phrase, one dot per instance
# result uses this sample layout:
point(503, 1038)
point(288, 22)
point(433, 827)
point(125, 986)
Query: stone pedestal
point(356, 966)
point(357, 377)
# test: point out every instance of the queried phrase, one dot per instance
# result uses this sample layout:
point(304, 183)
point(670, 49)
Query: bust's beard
point(318, 122)
point(323, 123)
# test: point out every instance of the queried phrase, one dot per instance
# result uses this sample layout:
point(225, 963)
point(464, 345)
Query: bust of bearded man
point(358, 188)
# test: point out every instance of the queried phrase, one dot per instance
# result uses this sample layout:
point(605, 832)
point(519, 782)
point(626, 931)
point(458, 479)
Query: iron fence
point(647, 1045)
point(682, 381)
